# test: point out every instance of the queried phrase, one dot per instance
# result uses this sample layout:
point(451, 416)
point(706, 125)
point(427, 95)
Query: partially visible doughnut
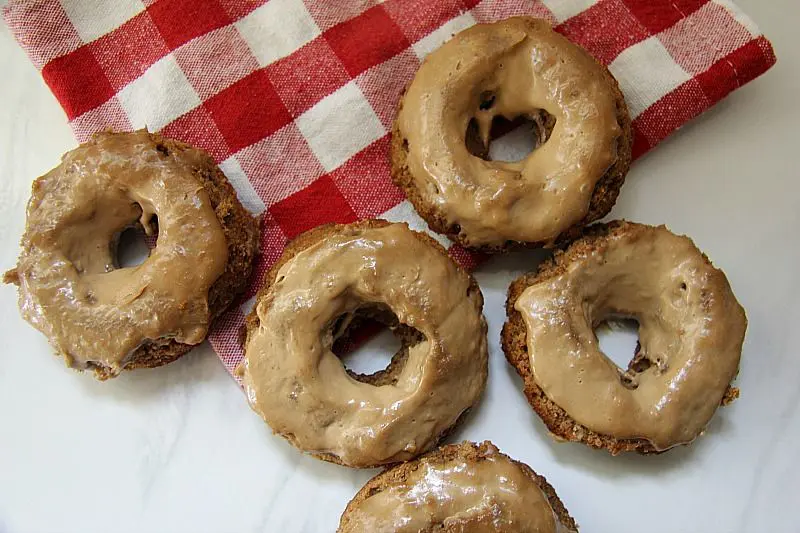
point(691, 330)
point(517, 67)
point(324, 279)
point(460, 488)
point(105, 318)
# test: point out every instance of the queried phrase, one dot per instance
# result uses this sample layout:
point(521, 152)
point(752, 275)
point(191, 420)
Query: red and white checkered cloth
point(295, 98)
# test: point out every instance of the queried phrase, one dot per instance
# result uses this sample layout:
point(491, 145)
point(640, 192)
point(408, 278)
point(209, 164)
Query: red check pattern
point(295, 98)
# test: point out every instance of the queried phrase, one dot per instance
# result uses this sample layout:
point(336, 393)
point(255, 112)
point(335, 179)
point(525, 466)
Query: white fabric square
point(646, 73)
point(739, 16)
point(436, 38)
point(405, 212)
point(244, 189)
point(95, 18)
point(564, 9)
point(340, 125)
point(158, 96)
point(277, 29)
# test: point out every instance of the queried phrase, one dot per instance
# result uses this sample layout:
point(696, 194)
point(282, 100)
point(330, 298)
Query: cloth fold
point(295, 98)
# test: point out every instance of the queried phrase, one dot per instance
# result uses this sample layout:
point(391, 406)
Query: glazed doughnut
point(106, 318)
point(459, 488)
point(325, 278)
point(517, 67)
point(691, 330)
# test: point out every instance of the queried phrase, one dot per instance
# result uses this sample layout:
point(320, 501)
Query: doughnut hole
point(133, 245)
point(372, 343)
point(510, 140)
point(618, 339)
point(108, 239)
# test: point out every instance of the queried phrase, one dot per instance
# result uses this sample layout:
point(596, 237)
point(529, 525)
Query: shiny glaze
point(527, 67)
point(691, 328)
point(486, 494)
point(301, 388)
point(93, 312)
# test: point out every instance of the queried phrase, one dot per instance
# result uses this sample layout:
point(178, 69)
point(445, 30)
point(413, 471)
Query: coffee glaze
point(464, 488)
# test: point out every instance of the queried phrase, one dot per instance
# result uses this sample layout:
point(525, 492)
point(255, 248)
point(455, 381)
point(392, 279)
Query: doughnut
point(691, 330)
point(330, 276)
point(105, 318)
point(518, 67)
point(458, 488)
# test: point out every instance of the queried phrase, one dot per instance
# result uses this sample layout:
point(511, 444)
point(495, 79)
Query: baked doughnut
point(105, 318)
point(325, 278)
point(691, 330)
point(517, 67)
point(458, 488)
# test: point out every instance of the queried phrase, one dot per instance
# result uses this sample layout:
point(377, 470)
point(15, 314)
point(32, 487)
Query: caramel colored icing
point(93, 312)
point(691, 330)
point(301, 388)
point(490, 494)
point(525, 67)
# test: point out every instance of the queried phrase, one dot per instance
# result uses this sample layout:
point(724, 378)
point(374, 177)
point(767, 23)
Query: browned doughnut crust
point(603, 197)
point(241, 231)
point(388, 375)
point(514, 340)
point(465, 451)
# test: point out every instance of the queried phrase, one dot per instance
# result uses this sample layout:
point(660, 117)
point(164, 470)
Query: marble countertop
point(177, 449)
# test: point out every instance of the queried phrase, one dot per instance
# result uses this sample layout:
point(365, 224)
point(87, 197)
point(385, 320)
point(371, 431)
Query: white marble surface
point(177, 449)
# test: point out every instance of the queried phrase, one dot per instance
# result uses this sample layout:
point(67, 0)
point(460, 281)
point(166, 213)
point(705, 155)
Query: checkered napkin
point(295, 98)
